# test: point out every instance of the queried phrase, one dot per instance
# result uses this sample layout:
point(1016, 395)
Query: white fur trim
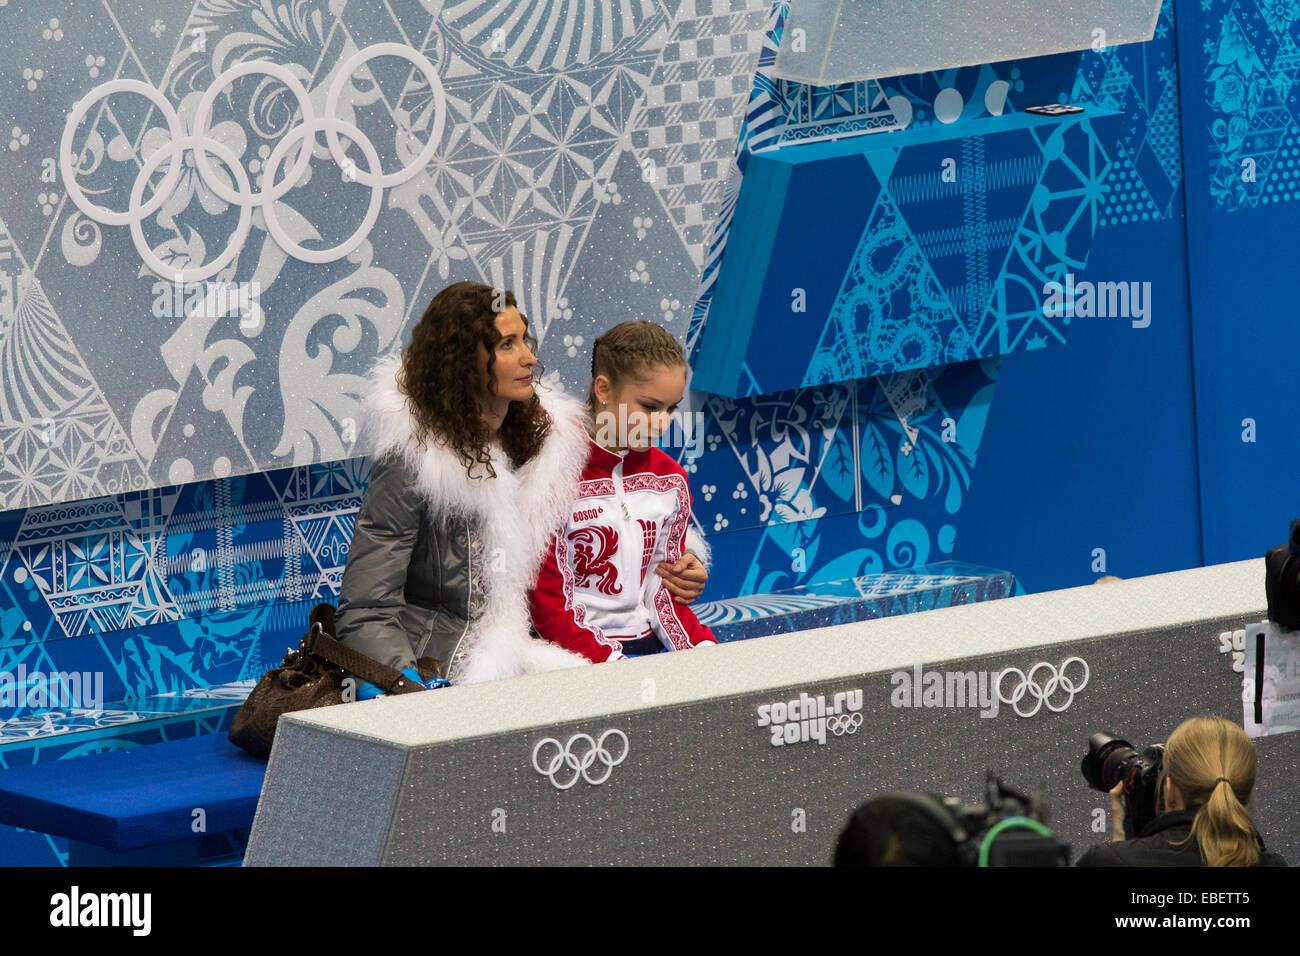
point(516, 513)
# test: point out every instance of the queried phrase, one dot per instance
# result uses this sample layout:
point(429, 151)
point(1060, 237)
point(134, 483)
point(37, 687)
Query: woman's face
point(638, 411)
point(512, 372)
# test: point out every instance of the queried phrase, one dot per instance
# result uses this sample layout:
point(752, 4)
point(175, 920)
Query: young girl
point(604, 586)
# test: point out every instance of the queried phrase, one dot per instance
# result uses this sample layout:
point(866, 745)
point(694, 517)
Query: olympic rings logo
point(201, 145)
point(1041, 693)
point(841, 724)
point(577, 757)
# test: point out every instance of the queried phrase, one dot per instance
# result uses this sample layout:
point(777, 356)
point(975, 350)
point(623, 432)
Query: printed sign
point(1278, 683)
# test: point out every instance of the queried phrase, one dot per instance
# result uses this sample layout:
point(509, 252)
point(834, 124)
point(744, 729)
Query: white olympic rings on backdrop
point(382, 181)
point(841, 724)
point(236, 241)
point(1041, 693)
point(579, 761)
point(200, 143)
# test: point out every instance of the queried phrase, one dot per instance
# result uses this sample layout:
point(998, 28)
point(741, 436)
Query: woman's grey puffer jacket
point(441, 564)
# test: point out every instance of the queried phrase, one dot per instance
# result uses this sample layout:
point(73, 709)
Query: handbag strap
point(367, 668)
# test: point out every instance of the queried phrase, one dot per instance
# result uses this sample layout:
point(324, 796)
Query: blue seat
point(137, 805)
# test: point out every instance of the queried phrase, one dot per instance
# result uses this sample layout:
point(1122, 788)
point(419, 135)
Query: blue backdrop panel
point(798, 219)
point(808, 535)
point(827, 278)
point(1170, 446)
point(1240, 66)
point(1093, 445)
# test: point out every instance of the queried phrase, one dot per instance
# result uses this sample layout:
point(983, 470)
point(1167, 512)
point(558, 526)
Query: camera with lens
point(1110, 760)
point(1282, 580)
point(1008, 829)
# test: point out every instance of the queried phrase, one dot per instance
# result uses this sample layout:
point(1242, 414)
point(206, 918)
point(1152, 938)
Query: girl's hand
point(685, 579)
point(1117, 813)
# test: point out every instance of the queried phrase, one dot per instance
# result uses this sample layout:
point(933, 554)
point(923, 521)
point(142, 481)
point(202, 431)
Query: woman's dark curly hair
point(439, 376)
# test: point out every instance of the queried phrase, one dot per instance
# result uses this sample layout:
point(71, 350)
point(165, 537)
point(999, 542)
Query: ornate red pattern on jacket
point(668, 618)
point(593, 546)
point(677, 485)
point(649, 533)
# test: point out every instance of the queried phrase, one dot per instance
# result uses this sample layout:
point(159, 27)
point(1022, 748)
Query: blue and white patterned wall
point(179, 489)
point(560, 166)
point(559, 158)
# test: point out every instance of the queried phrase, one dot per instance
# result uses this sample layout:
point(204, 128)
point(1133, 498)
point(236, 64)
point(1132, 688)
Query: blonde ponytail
point(1212, 763)
point(1224, 830)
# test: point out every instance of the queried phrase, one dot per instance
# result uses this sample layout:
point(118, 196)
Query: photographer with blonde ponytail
point(1205, 783)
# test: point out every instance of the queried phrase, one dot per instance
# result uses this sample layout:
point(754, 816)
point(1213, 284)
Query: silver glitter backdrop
point(701, 781)
point(569, 147)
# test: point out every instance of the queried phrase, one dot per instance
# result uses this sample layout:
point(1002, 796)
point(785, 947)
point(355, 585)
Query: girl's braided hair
point(628, 351)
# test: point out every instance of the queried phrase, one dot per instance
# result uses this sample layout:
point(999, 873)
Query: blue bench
point(136, 806)
point(870, 596)
point(139, 806)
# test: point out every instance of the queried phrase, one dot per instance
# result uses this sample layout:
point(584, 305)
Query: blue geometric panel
point(789, 258)
point(791, 457)
point(915, 439)
point(798, 305)
point(1251, 86)
point(1054, 237)
point(1141, 82)
point(891, 312)
point(989, 182)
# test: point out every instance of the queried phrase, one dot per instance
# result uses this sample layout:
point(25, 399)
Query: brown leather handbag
point(311, 675)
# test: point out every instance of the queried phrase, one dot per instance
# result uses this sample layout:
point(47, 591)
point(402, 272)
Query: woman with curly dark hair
point(472, 471)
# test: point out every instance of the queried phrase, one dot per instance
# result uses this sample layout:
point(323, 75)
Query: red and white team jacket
point(597, 585)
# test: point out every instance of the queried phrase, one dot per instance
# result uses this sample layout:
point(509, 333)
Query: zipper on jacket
point(428, 633)
point(631, 532)
point(469, 598)
point(433, 618)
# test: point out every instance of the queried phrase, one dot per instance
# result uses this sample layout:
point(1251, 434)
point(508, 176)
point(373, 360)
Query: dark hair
point(439, 376)
point(628, 350)
point(888, 831)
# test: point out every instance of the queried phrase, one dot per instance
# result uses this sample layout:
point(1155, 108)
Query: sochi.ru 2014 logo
point(809, 718)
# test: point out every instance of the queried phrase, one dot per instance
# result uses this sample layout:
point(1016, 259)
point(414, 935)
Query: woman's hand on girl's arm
point(685, 579)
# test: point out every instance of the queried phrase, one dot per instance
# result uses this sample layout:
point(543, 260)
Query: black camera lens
point(1110, 760)
point(1106, 761)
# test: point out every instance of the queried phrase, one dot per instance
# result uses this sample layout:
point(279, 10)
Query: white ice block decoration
point(827, 42)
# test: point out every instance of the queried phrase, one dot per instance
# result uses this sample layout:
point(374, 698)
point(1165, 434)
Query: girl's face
point(512, 372)
point(639, 410)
